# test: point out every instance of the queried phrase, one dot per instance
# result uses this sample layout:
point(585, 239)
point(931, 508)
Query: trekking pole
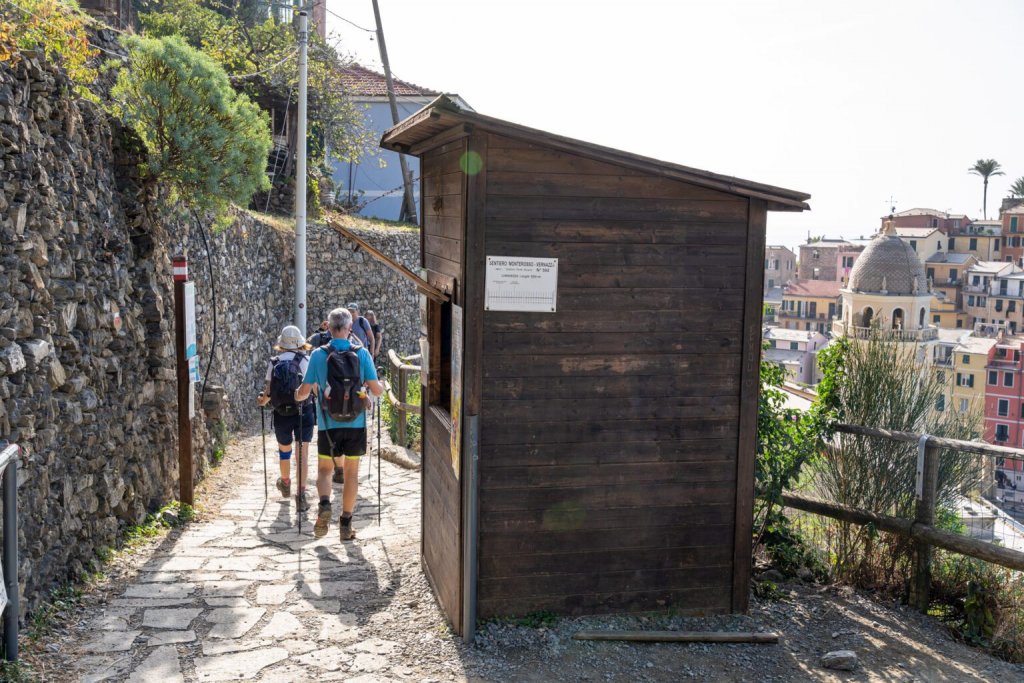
point(298, 478)
point(263, 435)
point(380, 482)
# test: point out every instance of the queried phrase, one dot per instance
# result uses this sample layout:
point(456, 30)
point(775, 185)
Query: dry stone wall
point(87, 378)
point(339, 274)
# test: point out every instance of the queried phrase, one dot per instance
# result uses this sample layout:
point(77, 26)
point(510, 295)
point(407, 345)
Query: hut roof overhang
point(443, 120)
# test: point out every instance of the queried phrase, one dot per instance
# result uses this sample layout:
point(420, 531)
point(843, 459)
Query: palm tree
point(985, 168)
point(1017, 189)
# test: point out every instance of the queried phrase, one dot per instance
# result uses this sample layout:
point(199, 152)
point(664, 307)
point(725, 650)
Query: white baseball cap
point(291, 339)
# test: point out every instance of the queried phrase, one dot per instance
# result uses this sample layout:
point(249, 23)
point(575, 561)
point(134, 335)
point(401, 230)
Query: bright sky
point(850, 102)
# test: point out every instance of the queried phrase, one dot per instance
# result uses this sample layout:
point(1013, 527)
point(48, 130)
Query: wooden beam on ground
point(681, 636)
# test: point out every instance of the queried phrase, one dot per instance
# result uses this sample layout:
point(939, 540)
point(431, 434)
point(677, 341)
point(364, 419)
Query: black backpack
point(285, 378)
point(344, 382)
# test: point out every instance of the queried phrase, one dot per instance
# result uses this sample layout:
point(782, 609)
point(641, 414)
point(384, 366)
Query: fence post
point(928, 484)
point(402, 382)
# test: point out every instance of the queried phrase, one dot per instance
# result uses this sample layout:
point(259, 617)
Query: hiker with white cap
point(284, 375)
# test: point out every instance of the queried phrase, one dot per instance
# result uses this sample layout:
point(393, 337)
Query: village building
point(967, 374)
point(796, 351)
point(779, 266)
point(1006, 300)
point(373, 185)
point(888, 293)
point(947, 271)
point(772, 306)
point(926, 242)
point(928, 218)
point(819, 258)
point(981, 239)
point(1012, 224)
point(810, 305)
point(846, 257)
point(976, 292)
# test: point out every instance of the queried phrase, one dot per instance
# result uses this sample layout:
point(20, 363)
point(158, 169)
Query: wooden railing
point(921, 529)
point(404, 369)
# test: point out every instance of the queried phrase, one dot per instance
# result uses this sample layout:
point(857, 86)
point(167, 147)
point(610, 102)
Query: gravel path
point(242, 595)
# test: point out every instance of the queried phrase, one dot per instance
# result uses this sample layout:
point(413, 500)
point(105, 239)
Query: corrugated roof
point(819, 288)
point(445, 116)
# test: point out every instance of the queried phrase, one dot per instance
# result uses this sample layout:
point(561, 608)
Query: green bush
point(414, 423)
point(206, 143)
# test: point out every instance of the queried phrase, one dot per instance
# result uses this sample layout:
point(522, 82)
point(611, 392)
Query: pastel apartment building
point(819, 258)
point(928, 218)
point(947, 272)
point(977, 293)
point(779, 266)
point(810, 305)
point(924, 241)
point(796, 351)
point(1012, 224)
point(981, 239)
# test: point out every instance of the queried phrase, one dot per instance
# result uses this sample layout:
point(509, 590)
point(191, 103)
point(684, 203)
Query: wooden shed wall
point(609, 430)
point(443, 232)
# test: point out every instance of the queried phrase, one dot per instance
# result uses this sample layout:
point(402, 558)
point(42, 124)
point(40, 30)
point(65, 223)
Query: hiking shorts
point(349, 442)
point(286, 427)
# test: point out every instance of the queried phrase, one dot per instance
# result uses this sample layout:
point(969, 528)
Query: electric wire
point(349, 21)
point(238, 77)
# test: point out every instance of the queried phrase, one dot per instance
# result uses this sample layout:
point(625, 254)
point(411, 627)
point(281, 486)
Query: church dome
point(889, 266)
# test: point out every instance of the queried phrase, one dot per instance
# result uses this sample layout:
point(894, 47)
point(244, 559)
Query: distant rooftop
point(915, 232)
point(926, 212)
point(972, 344)
point(1019, 209)
point(991, 266)
point(783, 334)
point(785, 356)
point(947, 257)
point(819, 288)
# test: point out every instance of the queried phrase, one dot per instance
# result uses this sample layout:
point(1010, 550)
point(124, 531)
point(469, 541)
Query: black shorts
point(286, 427)
point(347, 441)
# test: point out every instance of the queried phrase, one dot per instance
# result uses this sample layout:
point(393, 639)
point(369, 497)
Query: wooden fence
point(921, 529)
point(403, 369)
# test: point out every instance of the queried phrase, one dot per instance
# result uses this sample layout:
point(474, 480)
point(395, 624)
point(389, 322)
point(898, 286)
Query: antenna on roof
point(892, 206)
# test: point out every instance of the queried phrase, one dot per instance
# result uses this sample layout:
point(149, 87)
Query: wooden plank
point(442, 265)
point(626, 341)
point(599, 580)
point(710, 493)
point(703, 365)
point(574, 562)
point(547, 183)
point(681, 636)
point(679, 408)
point(613, 208)
point(621, 254)
point(620, 386)
point(571, 518)
point(604, 231)
point(448, 249)
point(441, 516)
point(681, 276)
point(597, 452)
point(453, 134)
point(447, 205)
point(681, 601)
point(451, 183)
point(445, 159)
point(443, 226)
point(749, 389)
point(626, 474)
point(698, 301)
point(500, 543)
point(510, 156)
point(632, 321)
point(568, 431)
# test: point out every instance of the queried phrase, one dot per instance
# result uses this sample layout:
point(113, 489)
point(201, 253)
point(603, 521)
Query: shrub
point(414, 425)
point(207, 143)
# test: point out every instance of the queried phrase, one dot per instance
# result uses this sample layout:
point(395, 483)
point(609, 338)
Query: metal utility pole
point(409, 205)
point(300, 181)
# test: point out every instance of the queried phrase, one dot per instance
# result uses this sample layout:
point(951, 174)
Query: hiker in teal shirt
point(338, 439)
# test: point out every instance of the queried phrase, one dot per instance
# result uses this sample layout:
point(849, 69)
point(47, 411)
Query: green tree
point(205, 142)
point(986, 168)
point(1017, 189)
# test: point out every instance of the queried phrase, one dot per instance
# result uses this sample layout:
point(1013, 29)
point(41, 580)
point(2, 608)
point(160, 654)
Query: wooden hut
point(591, 377)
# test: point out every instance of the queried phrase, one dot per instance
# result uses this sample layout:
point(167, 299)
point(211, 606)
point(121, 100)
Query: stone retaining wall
point(87, 379)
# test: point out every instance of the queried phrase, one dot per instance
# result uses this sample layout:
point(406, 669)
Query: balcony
point(943, 362)
point(927, 334)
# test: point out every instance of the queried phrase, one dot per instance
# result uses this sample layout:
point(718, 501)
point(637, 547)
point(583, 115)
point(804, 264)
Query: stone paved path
point(246, 596)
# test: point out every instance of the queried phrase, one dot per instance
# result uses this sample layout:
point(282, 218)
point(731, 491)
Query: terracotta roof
point(362, 82)
point(819, 288)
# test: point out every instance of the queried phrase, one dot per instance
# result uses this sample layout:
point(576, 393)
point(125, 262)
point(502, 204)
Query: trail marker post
point(185, 353)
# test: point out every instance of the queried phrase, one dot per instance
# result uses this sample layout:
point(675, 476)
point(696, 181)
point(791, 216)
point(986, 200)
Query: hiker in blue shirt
point(341, 378)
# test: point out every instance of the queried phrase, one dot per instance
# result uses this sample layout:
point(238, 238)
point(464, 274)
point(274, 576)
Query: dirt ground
point(241, 594)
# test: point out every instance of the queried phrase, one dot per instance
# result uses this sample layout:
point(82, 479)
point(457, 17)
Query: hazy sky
point(850, 102)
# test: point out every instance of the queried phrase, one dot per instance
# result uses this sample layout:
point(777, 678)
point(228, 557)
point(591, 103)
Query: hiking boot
point(301, 504)
point(284, 488)
point(347, 532)
point(339, 476)
point(323, 520)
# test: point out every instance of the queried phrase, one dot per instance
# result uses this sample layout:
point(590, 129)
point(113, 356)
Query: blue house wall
point(381, 173)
